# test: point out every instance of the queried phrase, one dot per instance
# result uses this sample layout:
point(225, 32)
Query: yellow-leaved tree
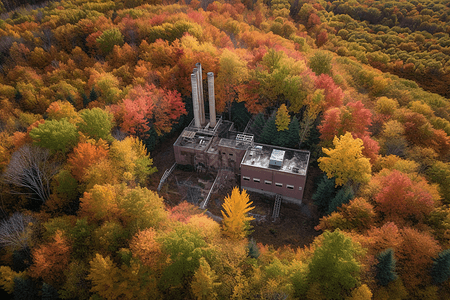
point(282, 119)
point(345, 162)
point(235, 214)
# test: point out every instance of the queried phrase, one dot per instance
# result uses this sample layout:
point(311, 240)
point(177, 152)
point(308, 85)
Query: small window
point(268, 182)
point(246, 178)
point(291, 187)
point(231, 154)
point(299, 188)
point(256, 180)
point(278, 184)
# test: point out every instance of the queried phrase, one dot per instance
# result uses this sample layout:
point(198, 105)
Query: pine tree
point(269, 132)
point(324, 193)
point(343, 196)
point(440, 271)
point(24, 289)
point(257, 126)
point(386, 267)
point(253, 250)
point(49, 292)
point(294, 128)
point(93, 95)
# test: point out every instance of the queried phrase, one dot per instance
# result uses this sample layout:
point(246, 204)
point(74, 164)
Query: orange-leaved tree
point(51, 260)
point(235, 217)
point(83, 156)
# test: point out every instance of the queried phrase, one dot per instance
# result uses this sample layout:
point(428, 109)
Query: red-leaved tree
point(147, 106)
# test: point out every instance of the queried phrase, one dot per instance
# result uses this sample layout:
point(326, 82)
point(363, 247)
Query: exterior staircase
point(276, 207)
point(165, 175)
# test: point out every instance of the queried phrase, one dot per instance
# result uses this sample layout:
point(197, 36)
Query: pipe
point(201, 101)
point(212, 100)
point(195, 99)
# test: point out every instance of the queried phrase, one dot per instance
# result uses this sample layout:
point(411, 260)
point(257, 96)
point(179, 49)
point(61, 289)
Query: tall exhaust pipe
point(201, 101)
point(212, 100)
point(195, 99)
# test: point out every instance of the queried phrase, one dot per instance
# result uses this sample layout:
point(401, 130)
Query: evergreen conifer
point(269, 133)
point(343, 196)
point(386, 267)
point(440, 271)
point(324, 193)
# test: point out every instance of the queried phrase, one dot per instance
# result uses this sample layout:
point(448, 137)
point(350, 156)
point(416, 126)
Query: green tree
point(385, 268)
point(109, 39)
point(334, 267)
point(440, 271)
point(345, 162)
point(343, 196)
point(96, 123)
point(269, 132)
point(185, 247)
point(320, 63)
point(324, 193)
point(294, 129)
point(55, 135)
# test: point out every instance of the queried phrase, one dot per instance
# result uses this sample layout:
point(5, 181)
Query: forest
point(89, 89)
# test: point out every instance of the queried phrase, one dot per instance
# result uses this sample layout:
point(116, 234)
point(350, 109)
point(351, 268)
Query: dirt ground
point(294, 227)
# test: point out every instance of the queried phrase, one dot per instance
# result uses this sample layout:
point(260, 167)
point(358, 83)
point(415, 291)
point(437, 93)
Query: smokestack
point(212, 100)
point(201, 101)
point(195, 99)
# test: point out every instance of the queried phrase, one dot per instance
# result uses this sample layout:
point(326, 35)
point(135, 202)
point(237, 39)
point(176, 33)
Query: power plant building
point(210, 144)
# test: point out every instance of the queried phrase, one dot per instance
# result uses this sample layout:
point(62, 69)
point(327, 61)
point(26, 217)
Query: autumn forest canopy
point(90, 89)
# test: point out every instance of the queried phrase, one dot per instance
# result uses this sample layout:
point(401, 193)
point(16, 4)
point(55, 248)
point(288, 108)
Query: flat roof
point(295, 161)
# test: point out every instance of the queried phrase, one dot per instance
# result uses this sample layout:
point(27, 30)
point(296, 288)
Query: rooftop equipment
point(276, 158)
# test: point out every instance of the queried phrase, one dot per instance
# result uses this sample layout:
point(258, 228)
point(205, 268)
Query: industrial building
point(210, 144)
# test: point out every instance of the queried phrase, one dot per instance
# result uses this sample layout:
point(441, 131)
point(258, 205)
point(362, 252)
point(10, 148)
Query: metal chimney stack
point(195, 98)
point(201, 101)
point(212, 100)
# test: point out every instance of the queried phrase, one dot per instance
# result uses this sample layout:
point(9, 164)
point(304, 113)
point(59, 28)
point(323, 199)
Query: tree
point(83, 156)
point(415, 256)
point(235, 218)
point(30, 168)
point(440, 271)
point(385, 267)
point(96, 123)
point(345, 162)
point(51, 260)
point(269, 132)
point(362, 292)
point(146, 106)
point(313, 107)
point(204, 282)
point(15, 232)
point(282, 119)
point(343, 196)
point(233, 71)
point(131, 159)
point(55, 135)
point(324, 193)
point(184, 247)
point(294, 131)
point(320, 63)
point(400, 197)
point(108, 39)
point(333, 265)
point(62, 109)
